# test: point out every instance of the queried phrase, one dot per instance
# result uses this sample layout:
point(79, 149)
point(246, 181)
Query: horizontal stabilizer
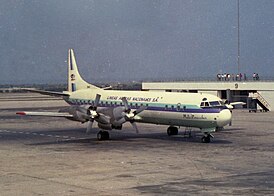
point(51, 93)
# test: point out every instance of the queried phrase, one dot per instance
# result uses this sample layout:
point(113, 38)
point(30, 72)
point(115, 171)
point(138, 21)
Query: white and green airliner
point(112, 108)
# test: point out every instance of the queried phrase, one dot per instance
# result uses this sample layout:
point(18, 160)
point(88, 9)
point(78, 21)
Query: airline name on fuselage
point(141, 99)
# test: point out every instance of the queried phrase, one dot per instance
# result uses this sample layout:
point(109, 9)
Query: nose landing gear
point(206, 138)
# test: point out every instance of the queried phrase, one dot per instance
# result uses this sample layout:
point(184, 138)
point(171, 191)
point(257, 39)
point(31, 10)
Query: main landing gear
point(206, 138)
point(172, 131)
point(102, 135)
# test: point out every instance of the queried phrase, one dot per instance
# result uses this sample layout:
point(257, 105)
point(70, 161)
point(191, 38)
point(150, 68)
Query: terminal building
point(258, 95)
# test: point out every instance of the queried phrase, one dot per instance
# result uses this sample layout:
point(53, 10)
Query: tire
point(105, 135)
point(172, 131)
point(175, 131)
point(169, 131)
point(206, 139)
point(100, 135)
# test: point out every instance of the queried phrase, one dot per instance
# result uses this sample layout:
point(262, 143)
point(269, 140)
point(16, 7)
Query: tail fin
point(75, 81)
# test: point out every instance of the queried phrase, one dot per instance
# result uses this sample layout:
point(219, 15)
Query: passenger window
point(206, 104)
point(178, 106)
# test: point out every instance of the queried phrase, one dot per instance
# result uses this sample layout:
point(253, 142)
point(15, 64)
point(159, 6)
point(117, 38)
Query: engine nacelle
point(79, 113)
point(118, 127)
point(105, 126)
point(118, 112)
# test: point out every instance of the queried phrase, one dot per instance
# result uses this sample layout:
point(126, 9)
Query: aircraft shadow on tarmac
point(120, 137)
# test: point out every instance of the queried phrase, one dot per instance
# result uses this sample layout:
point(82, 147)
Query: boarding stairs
point(261, 101)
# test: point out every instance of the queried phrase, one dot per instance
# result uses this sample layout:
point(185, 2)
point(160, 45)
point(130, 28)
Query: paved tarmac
point(54, 156)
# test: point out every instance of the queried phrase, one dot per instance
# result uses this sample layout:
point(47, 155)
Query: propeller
point(129, 115)
point(92, 113)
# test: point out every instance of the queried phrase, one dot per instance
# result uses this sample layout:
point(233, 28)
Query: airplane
point(112, 108)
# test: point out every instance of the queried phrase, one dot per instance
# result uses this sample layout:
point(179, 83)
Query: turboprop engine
point(87, 113)
point(110, 118)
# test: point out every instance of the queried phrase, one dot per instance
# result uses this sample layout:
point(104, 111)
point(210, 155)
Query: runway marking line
point(66, 138)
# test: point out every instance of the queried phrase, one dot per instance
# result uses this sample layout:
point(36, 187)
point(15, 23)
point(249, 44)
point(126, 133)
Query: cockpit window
point(222, 103)
point(214, 103)
point(204, 104)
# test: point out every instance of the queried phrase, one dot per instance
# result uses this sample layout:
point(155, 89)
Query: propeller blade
point(97, 99)
point(230, 123)
point(89, 127)
point(139, 110)
point(135, 126)
point(124, 100)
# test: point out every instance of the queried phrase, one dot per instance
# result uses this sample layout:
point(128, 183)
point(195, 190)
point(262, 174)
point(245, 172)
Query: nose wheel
point(103, 135)
point(207, 138)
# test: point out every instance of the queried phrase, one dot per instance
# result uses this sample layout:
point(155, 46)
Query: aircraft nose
point(224, 118)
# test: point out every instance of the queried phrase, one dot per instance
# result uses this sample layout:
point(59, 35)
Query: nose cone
point(224, 118)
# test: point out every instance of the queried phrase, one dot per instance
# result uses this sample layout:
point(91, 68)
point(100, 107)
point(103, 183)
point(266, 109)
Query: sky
point(129, 40)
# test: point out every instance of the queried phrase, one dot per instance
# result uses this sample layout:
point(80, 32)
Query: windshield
point(214, 103)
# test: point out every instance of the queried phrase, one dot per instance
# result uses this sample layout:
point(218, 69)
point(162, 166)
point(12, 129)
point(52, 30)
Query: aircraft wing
point(50, 114)
point(51, 93)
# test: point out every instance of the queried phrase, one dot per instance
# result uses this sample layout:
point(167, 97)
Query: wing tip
point(21, 113)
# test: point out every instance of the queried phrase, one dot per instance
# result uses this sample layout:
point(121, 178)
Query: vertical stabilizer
point(75, 81)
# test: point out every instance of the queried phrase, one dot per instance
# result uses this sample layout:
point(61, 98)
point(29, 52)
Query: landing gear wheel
point(172, 131)
point(102, 135)
point(206, 139)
